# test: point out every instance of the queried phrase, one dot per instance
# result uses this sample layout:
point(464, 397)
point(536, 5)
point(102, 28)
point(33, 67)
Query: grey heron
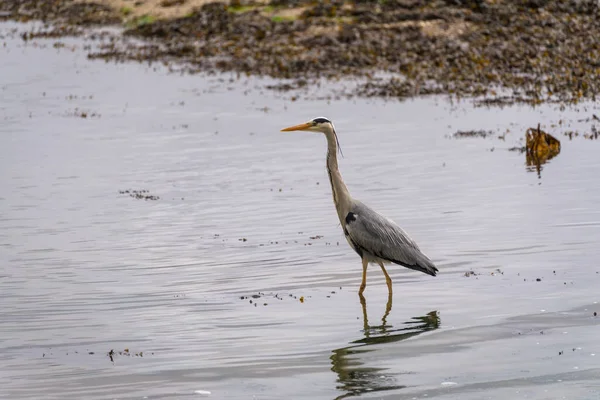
point(374, 237)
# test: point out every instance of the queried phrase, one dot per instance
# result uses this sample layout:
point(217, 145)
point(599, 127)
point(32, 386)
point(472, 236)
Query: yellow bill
point(300, 127)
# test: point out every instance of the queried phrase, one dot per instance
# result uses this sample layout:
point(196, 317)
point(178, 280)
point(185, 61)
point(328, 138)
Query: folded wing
point(373, 233)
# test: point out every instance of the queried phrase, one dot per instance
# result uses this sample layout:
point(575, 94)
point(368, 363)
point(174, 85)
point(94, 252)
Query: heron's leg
point(388, 308)
point(388, 280)
point(363, 303)
point(365, 264)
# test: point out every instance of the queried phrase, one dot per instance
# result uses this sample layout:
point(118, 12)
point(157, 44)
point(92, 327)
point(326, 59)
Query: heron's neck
point(341, 197)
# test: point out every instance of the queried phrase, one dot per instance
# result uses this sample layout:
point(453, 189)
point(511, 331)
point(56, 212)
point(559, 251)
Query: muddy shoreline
point(503, 52)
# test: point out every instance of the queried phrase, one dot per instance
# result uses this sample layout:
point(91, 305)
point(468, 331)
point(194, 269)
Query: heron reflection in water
point(354, 378)
point(374, 237)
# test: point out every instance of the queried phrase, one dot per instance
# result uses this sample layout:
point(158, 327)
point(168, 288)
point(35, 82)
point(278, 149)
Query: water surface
point(246, 210)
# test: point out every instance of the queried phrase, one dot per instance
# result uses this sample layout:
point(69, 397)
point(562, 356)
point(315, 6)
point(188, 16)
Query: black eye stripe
point(321, 120)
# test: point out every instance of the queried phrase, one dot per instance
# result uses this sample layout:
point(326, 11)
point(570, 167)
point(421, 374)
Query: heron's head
point(320, 124)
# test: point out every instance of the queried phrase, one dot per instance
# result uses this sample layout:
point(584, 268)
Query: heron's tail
point(424, 264)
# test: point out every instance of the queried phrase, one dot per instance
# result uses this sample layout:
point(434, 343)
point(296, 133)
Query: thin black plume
point(337, 141)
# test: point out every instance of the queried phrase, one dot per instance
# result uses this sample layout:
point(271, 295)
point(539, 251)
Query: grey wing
point(371, 232)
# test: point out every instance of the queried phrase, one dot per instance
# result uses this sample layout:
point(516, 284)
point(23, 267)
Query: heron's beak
point(301, 127)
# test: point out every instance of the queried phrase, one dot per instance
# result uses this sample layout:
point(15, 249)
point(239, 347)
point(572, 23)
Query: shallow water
point(245, 210)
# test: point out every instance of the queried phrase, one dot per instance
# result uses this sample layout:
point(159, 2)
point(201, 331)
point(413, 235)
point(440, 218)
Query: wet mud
point(502, 52)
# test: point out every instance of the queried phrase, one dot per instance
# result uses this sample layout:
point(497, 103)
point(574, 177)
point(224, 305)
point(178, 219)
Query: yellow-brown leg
point(363, 303)
point(388, 308)
point(363, 285)
point(388, 280)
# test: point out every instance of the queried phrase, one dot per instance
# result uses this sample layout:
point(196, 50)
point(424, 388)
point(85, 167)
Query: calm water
point(246, 210)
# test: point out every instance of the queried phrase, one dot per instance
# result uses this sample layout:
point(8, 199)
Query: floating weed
point(472, 134)
point(254, 298)
point(139, 194)
point(112, 354)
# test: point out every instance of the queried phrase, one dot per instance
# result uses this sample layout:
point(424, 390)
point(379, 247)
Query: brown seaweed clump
point(502, 51)
point(59, 12)
point(540, 147)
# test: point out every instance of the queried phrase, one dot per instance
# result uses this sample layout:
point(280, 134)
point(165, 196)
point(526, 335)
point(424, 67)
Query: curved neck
point(341, 196)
